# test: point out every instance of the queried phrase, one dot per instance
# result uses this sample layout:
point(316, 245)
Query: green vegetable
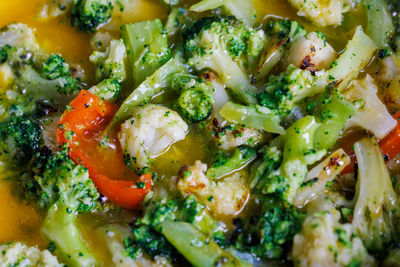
point(66, 190)
point(296, 153)
point(283, 91)
point(252, 116)
point(359, 52)
point(109, 90)
point(55, 67)
point(242, 10)
point(379, 22)
point(226, 46)
point(332, 111)
point(196, 97)
point(224, 163)
point(89, 15)
point(195, 246)
point(147, 47)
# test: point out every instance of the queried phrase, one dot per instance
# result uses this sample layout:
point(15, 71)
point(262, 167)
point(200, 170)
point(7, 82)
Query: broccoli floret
point(225, 163)
point(265, 235)
point(20, 139)
point(376, 213)
point(295, 152)
point(55, 67)
point(283, 91)
point(108, 89)
point(18, 254)
point(147, 47)
point(111, 63)
point(66, 190)
point(196, 98)
point(89, 15)
point(226, 46)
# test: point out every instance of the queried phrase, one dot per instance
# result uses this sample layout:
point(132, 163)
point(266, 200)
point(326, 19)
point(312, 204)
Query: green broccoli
point(242, 10)
point(55, 67)
point(108, 89)
point(376, 212)
point(226, 46)
point(332, 112)
point(264, 235)
point(196, 97)
point(65, 190)
point(89, 15)
point(280, 33)
point(283, 91)
point(225, 163)
point(20, 139)
point(110, 64)
point(292, 156)
point(147, 47)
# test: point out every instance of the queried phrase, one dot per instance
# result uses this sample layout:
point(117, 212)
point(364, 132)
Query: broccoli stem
point(359, 51)
point(147, 46)
point(197, 248)
point(151, 87)
point(252, 116)
point(60, 228)
point(223, 166)
point(333, 112)
point(379, 22)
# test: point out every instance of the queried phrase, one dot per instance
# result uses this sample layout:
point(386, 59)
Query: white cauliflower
point(150, 132)
point(324, 241)
point(225, 197)
point(372, 114)
point(55, 8)
point(19, 35)
point(311, 52)
point(322, 12)
point(388, 69)
point(18, 254)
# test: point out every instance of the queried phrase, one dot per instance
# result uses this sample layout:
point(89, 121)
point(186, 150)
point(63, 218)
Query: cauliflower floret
point(225, 197)
point(55, 8)
point(19, 35)
point(311, 53)
point(388, 69)
point(324, 241)
point(372, 114)
point(19, 254)
point(150, 132)
point(320, 12)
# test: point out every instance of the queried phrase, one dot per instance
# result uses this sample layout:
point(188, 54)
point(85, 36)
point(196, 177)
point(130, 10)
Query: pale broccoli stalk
point(18, 254)
point(242, 10)
point(282, 171)
point(318, 178)
point(66, 190)
point(196, 247)
point(196, 97)
point(177, 21)
point(110, 64)
point(333, 112)
point(109, 90)
point(225, 163)
point(379, 22)
point(376, 211)
point(324, 241)
point(89, 15)
point(152, 86)
point(253, 116)
point(280, 35)
point(283, 91)
point(147, 46)
point(359, 52)
point(227, 47)
point(168, 216)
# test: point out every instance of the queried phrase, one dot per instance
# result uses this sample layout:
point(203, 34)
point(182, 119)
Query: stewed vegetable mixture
point(210, 133)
